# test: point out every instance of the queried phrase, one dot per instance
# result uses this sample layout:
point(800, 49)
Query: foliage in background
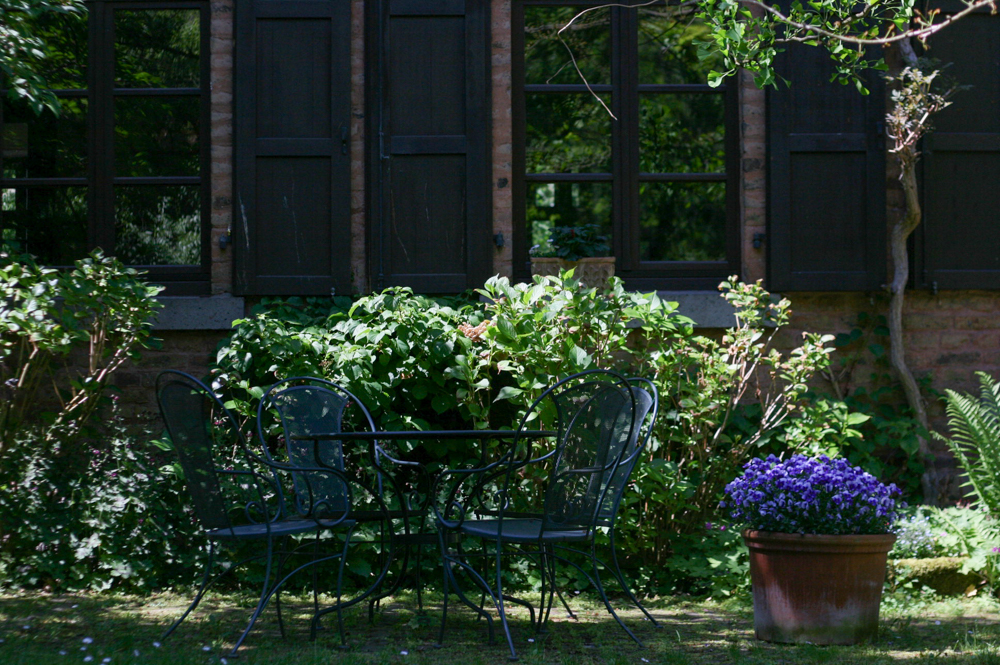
point(425, 364)
point(106, 513)
point(48, 318)
point(23, 49)
point(870, 423)
point(974, 424)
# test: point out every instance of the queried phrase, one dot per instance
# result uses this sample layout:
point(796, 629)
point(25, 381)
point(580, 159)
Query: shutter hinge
point(758, 240)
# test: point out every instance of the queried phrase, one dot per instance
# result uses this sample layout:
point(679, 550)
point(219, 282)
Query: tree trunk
point(901, 230)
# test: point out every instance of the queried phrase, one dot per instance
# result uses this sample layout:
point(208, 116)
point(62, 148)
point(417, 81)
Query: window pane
point(567, 133)
point(546, 58)
point(65, 39)
point(49, 222)
point(158, 225)
point(682, 221)
point(156, 136)
point(157, 48)
point(682, 133)
point(44, 146)
point(668, 52)
point(566, 204)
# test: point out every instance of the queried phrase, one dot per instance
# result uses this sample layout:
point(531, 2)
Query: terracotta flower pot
point(816, 588)
point(590, 271)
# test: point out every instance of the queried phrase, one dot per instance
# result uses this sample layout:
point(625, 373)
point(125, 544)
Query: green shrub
point(427, 363)
point(49, 318)
point(975, 439)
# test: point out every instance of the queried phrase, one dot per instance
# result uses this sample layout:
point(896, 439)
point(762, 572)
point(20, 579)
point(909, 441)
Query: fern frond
point(974, 426)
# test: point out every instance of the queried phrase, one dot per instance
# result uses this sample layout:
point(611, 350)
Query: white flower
point(224, 661)
point(88, 640)
point(135, 653)
point(156, 644)
point(88, 659)
point(26, 627)
point(62, 652)
point(106, 660)
point(206, 648)
point(531, 639)
point(404, 652)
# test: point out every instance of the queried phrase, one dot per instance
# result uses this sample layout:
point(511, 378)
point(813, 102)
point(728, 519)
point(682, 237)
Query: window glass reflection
point(44, 146)
point(668, 50)
point(157, 48)
point(156, 136)
point(566, 204)
point(547, 57)
point(682, 133)
point(567, 133)
point(682, 221)
point(49, 222)
point(158, 225)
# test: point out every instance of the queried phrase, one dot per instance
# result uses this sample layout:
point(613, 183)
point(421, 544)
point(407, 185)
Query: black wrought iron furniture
point(601, 422)
point(302, 407)
point(237, 495)
point(407, 478)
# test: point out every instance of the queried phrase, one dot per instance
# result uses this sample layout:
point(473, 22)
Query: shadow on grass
point(37, 629)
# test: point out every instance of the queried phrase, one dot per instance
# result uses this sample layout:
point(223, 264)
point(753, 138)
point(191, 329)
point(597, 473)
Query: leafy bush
point(425, 363)
point(108, 513)
point(914, 538)
point(975, 439)
point(47, 317)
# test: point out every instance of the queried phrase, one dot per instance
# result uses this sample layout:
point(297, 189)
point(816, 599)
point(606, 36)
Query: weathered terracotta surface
point(816, 588)
point(590, 271)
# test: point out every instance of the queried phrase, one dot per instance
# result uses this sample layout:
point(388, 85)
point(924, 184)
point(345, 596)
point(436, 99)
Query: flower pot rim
point(782, 535)
point(583, 259)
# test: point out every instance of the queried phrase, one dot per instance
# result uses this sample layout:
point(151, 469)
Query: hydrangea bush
point(810, 495)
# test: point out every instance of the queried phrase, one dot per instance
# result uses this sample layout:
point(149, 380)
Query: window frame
point(625, 176)
point(101, 180)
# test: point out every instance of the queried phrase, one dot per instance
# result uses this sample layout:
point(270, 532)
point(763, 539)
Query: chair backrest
point(198, 424)
point(307, 405)
point(595, 414)
point(616, 480)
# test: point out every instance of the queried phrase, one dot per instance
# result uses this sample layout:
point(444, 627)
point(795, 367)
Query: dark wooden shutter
point(291, 216)
point(431, 199)
point(826, 179)
point(961, 164)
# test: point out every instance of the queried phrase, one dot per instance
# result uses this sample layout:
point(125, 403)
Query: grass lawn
point(38, 629)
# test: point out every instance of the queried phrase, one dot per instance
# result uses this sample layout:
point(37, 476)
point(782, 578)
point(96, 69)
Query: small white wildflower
point(531, 639)
point(937, 623)
point(62, 652)
point(224, 661)
point(88, 640)
point(206, 648)
point(106, 660)
point(644, 660)
point(26, 627)
point(156, 644)
point(88, 659)
point(135, 653)
point(74, 606)
point(83, 648)
point(404, 652)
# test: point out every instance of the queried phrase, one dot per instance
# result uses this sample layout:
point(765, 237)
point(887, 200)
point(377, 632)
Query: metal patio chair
point(602, 422)
point(305, 406)
point(237, 495)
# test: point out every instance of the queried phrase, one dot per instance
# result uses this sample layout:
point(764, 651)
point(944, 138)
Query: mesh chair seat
point(286, 527)
point(521, 530)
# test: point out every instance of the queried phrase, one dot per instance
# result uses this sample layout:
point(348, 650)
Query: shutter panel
point(961, 164)
point(826, 179)
point(431, 210)
point(292, 210)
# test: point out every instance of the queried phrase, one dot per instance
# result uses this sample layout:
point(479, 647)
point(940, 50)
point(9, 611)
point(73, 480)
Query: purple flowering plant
point(810, 495)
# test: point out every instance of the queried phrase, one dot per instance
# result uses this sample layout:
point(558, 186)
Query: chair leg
point(201, 591)
point(451, 583)
point(499, 602)
point(340, 587)
point(264, 596)
point(604, 597)
point(277, 594)
point(616, 570)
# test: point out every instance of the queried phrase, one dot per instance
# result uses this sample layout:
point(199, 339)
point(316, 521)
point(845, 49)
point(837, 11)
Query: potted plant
point(581, 248)
point(818, 531)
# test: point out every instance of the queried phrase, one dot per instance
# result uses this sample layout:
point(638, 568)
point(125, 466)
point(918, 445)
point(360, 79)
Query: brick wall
point(221, 60)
